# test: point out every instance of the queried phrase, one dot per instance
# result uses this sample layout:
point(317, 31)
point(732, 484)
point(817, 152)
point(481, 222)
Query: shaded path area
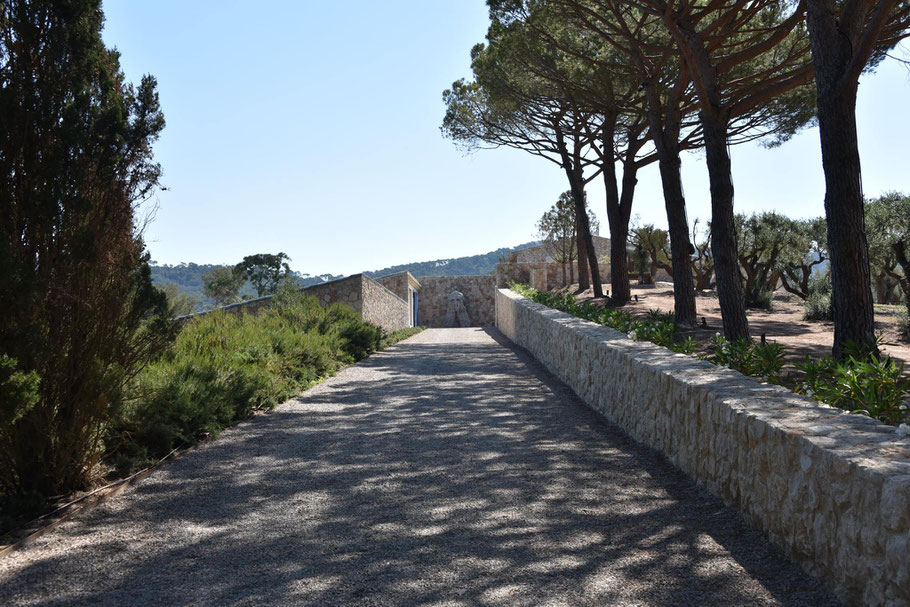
point(450, 469)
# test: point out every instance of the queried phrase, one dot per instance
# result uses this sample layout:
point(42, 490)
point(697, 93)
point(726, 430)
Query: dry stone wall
point(382, 307)
point(348, 291)
point(831, 489)
point(521, 272)
point(396, 283)
point(374, 302)
point(478, 299)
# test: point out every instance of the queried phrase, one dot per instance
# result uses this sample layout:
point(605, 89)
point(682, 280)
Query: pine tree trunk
point(587, 255)
point(619, 213)
point(675, 203)
point(849, 252)
point(723, 233)
point(582, 257)
point(833, 49)
point(665, 136)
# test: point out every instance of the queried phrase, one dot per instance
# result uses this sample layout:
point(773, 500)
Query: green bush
point(759, 299)
point(818, 303)
point(749, 358)
point(223, 367)
point(658, 328)
point(903, 324)
point(862, 383)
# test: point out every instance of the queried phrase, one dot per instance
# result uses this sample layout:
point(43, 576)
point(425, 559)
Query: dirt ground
point(783, 324)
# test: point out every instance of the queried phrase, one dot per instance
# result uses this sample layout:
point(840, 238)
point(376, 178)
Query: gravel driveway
point(450, 469)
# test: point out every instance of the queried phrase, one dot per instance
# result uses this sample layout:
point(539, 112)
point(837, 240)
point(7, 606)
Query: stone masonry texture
point(449, 470)
point(348, 291)
point(832, 489)
point(478, 298)
point(382, 307)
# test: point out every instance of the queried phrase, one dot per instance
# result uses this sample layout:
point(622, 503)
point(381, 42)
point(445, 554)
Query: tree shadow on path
point(451, 469)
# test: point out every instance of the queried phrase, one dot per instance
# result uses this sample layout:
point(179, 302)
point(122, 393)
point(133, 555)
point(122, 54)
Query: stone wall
point(521, 272)
point(396, 283)
point(348, 291)
point(513, 271)
point(831, 489)
point(478, 299)
point(382, 307)
point(374, 302)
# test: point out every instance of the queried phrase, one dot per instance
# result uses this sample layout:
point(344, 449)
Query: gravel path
point(450, 469)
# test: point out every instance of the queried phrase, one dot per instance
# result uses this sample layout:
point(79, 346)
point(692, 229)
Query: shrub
point(760, 299)
point(903, 323)
point(863, 383)
point(658, 328)
point(223, 367)
point(747, 357)
point(818, 302)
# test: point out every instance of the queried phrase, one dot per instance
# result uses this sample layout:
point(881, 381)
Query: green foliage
point(818, 304)
point(766, 243)
point(888, 234)
point(903, 323)
point(861, 383)
point(556, 228)
point(749, 358)
point(224, 366)
point(810, 237)
point(658, 328)
point(265, 271)
point(222, 284)
point(762, 299)
point(18, 393)
point(78, 307)
point(178, 302)
point(652, 249)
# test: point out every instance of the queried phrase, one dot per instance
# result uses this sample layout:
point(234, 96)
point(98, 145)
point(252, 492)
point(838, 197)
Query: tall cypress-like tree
point(79, 312)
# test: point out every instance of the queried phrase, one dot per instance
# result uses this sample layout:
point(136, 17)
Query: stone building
point(428, 297)
point(536, 266)
point(400, 300)
point(540, 254)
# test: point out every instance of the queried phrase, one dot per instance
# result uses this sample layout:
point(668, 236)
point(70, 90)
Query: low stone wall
point(434, 293)
point(382, 307)
point(831, 489)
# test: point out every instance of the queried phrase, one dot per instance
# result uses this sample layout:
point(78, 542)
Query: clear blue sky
point(313, 128)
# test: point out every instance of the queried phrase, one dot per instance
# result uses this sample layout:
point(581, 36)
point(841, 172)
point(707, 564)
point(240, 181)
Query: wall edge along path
point(831, 489)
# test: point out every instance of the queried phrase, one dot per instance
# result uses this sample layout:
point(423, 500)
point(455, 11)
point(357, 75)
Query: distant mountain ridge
point(188, 276)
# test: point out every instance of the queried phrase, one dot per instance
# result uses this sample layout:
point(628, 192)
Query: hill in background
point(188, 276)
point(472, 265)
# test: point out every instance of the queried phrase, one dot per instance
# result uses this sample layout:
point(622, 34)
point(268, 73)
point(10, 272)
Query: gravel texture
point(450, 469)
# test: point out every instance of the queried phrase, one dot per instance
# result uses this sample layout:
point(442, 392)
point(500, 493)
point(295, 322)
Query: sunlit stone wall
point(434, 293)
point(831, 489)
